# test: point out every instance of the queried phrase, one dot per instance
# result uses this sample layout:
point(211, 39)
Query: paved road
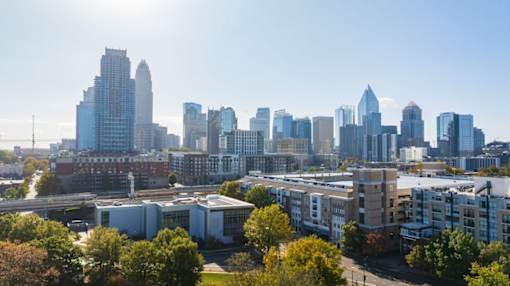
point(32, 193)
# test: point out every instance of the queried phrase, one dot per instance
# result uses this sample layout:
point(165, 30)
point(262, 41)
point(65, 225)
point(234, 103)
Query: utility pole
point(33, 134)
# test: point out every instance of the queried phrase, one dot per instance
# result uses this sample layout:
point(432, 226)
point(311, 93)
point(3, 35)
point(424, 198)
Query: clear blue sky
point(305, 56)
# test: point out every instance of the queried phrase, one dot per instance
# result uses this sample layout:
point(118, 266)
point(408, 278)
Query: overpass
point(65, 201)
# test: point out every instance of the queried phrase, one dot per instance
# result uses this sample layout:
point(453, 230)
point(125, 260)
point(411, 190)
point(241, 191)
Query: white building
point(213, 216)
point(412, 154)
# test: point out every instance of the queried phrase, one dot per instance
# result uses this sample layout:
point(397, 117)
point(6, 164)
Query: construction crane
point(487, 189)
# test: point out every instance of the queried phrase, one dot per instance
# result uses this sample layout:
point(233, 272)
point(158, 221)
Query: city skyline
point(320, 82)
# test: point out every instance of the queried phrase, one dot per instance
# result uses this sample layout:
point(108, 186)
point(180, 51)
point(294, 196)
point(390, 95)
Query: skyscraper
point(228, 120)
point(372, 124)
point(302, 129)
point(144, 129)
point(261, 121)
point(344, 115)
point(368, 104)
point(282, 126)
point(455, 134)
point(412, 126)
point(351, 143)
point(323, 134)
point(213, 131)
point(479, 140)
point(114, 103)
point(85, 118)
point(194, 125)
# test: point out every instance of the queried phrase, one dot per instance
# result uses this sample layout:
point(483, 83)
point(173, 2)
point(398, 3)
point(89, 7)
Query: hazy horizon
point(297, 55)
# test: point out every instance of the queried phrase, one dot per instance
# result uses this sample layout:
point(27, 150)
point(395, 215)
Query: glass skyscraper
point(344, 115)
point(455, 134)
point(228, 120)
point(194, 125)
point(368, 104)
point(302, 128)
point(85, 121)
point(412, 126)
point(114, 103)
point(145, 131)
point(282, 126)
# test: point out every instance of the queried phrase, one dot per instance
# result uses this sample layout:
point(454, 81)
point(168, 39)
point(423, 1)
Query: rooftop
point(209, 201)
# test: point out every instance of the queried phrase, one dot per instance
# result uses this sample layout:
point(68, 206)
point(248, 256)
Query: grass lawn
point(217, 279)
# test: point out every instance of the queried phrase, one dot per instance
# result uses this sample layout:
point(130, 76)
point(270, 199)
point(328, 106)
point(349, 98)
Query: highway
point(87, 199)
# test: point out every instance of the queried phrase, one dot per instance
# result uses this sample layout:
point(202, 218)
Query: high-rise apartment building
point(114, 103)
point(282, 126)
point(412, 126)
point(323, 134)
point(344, 115)
point(242, 142)
point(144, 132)
point(85, 118)
point(194, 125)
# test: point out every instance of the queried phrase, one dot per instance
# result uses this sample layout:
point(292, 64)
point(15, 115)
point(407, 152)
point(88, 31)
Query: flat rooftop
point(209, 201)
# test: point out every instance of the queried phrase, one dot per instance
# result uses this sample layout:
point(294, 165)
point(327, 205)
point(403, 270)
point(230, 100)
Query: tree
point(103, 249)
point(352, 238)
point(6, 223)
point(24, 228)
point(259, 196)
point(316, 256)
point(22, 264)
point(491, 275)
point(376, 244)
point(172, 178)
point(179, 259)
point(48, 184)
point(7, 157)
point(11, 194)
point(496, 251)
point(449, 254)
point(139, 264)
point(267, 227)
point(231, 189)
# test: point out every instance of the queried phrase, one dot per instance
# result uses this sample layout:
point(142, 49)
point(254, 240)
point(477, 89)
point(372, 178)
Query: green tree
point(7, 157)
point(352, 238)
point(267, 227)
point(259, 196)
point(491, 275)
point(449, 254)
point(139, 264)
point(24, 228)
point(11, 194)
point(231, 189)
point(103, 249)
point(6, 223)
point(179, 259)
point(48, 184)
point(314, 255)
point(496, 251)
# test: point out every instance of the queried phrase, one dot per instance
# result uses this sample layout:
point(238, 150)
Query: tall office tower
point(159, 136)
point(389, 129)
point(144, 132)
point(412, 126)
point(213, 131)
point(114, 103)
point(368, 104)
point(479, 140)
point(173, 141)
point(455, 134)
point(351, 143)
point(302, 129)
point(85, 127)
point(228, 120)
point(261, 121)
point(372, 124)
point(323, 134)
point(344, 115)
point(194, 125)
point(282, 126)
point(380, 148)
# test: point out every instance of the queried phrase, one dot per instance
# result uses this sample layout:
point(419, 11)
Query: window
point(174, 219)
point(233, 221)
point(105, 219)
point(391, 203)
point(361, 202)
point(361, 218)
